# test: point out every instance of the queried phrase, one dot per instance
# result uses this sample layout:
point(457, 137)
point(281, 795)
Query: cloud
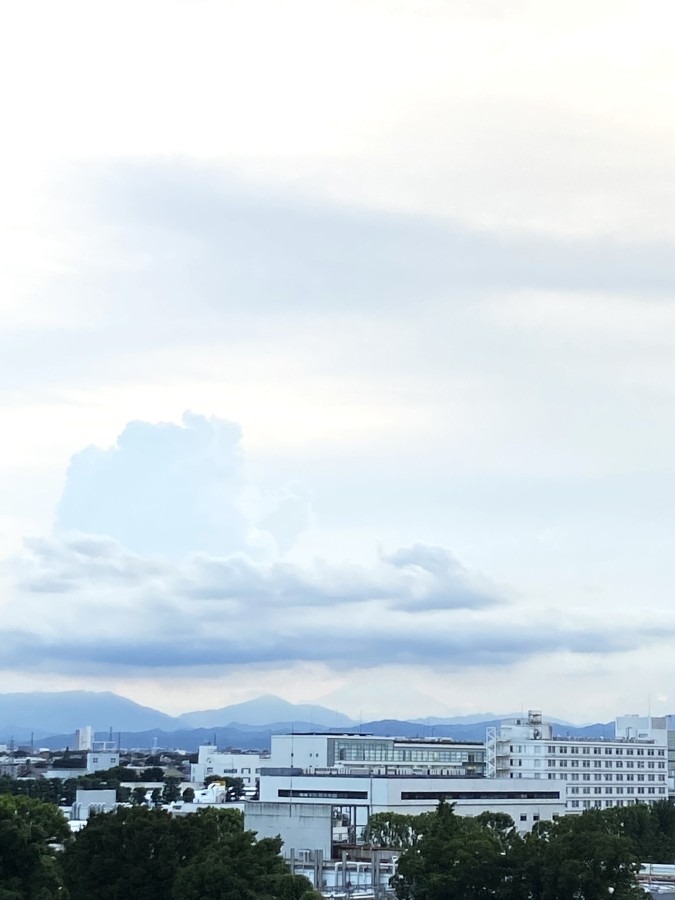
point(177, 489)
point(87, 605)
point(167, 572)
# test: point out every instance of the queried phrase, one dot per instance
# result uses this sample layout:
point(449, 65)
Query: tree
point(129, 853)
point(396, 831)
point(147, 854)
point(455, 857)
point(241, 868)
point(138, 795)
point(29, 868)
point(171, 790)
point(188, 795)
point(579, 856)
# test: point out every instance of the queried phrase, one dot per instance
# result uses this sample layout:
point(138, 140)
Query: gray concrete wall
point(301, 826)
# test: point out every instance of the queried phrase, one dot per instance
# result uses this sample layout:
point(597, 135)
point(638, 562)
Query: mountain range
point(51, 718)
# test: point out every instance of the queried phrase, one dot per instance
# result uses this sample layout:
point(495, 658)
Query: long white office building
point(629, 767)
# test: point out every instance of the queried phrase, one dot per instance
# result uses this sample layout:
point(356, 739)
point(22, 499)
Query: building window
point(523, 817)
point(328, 795)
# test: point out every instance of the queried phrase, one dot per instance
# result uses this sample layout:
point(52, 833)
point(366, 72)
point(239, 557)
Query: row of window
point(587, 751)
point(598, 776)
point(596, 804)
point(382, 752)
point(617, 790)
point(602, 764)
point(607, 751)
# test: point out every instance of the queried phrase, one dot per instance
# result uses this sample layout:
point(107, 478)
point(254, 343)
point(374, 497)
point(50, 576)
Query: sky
point(337, 353)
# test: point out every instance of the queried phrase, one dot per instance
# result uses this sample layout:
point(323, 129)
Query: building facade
point(362, 751)
point(211, 761)
point(629, 767)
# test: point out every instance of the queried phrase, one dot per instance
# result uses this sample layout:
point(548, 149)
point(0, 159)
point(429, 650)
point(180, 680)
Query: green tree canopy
point(29, 868)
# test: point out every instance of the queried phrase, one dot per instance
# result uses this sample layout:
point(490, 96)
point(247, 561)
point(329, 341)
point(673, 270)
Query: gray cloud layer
point(124, 599)
point(86, 604)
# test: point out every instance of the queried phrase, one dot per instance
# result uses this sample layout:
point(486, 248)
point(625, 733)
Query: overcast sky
point(337, 353)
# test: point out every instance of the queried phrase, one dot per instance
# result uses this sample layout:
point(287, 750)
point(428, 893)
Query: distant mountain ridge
point(263, 710)
point(43, 713)
point(247, 725)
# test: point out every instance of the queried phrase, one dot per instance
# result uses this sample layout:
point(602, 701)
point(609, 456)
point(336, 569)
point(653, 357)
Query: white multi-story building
point(350, 752)
point(629, 767)
point(364, 774)
point(211, 761)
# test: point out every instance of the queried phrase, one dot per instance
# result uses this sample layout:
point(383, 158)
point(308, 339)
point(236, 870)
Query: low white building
point(364, 794)
point(78, 764)
point(629, 767)
point(211, 761)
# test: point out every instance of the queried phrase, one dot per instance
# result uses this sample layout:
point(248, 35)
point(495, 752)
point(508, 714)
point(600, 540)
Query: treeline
point(577, 857)
point(61, 791)
point(139, 853)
